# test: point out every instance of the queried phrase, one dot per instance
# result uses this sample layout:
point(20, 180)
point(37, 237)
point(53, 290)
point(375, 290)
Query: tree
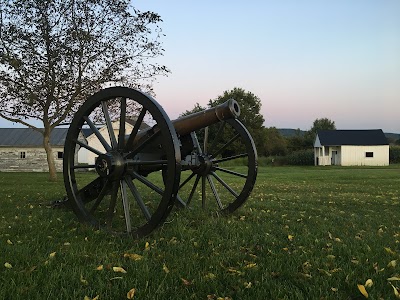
point(318, 124)
point(275, 143)
point(54, 53)
point(322, 124)
point(250, 116)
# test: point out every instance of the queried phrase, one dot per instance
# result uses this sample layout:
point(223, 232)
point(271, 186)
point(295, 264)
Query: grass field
point(305, 233)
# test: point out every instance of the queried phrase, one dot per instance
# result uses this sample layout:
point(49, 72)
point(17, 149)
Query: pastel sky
point(304, 59)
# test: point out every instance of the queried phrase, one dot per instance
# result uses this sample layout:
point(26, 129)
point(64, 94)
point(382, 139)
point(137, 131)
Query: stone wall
point(24, 159)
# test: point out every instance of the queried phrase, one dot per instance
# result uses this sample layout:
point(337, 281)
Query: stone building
point(21, 149)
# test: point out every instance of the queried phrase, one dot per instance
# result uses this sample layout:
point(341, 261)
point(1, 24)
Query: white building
point(87, 157)
point(351, 148)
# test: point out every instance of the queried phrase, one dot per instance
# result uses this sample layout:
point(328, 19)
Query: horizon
point(303, 60)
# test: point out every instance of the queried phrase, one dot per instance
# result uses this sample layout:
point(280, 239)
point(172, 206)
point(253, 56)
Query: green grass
point(305, 233)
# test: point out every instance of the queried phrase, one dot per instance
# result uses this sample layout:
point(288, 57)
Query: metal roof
point(352, 137)
point(29, 137)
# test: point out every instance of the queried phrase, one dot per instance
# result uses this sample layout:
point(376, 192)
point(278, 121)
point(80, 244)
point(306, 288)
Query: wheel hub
point(205, 166)
point(110, 165)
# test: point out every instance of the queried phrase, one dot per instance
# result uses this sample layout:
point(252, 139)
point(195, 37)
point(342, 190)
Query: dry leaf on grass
point(131, 293)
point(100, 268)
point(165, 268)
point(362, 290)
point(119, 270)
point(8, 265)
point(133, 256)
point(368, 283)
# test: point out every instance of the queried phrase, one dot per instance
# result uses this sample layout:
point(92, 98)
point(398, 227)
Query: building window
point(369, 154)
point(60, 154)
point(326, 151)
point(22, 154)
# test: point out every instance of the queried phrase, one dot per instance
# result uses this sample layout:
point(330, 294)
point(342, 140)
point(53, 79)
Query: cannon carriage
point(141, 173)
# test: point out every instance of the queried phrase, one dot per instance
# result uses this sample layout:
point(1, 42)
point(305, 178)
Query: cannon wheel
point(116, 194)
point(227, 167)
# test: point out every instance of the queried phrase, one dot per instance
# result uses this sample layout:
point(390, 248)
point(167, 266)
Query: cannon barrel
point(187, 124)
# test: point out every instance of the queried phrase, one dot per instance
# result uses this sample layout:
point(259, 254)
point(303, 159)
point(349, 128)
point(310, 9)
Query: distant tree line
point(270, 143)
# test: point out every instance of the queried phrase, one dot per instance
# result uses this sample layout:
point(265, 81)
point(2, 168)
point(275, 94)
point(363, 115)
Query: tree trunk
point(49, 153)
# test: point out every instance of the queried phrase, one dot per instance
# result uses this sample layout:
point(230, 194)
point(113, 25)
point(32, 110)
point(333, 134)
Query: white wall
point(88, 157)
point(355, 155)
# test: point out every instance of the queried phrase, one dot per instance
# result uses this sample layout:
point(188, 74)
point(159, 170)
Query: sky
point(304, 59)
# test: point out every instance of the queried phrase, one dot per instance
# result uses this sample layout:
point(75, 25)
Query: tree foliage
point(318, 124)
point(54, 53)
point(275, 144)
point(250, 116)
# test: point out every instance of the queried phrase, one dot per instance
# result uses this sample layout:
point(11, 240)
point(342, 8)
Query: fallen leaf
point(334, 289)
point(84, 281)
point(131, 293)
point(87, 298)
point(165, 268)
point(368, 283)
point(362, 290)
point(100, 268)
point(147, 246)
point(96, 298)
point(9, 242)
point(250, 265)
point(119, 270)
point(392, 264)
point(247, 285)
point(133, 256)
point(52, 254)
point(290, 237)
point(210, 276)
point(390, 251)
point(396, 291)
point(234, 271)
point(8, 265)
point(394, 279)
point(186, 282)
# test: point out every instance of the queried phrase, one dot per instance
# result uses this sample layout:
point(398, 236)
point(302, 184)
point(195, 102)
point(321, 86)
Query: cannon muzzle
point(187, 124)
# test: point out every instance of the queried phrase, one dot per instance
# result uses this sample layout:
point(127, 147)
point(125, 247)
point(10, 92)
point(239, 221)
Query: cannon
point(147, 163)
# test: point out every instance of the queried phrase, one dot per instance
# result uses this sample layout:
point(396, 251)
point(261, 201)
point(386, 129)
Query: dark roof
point(352, 137)
point(30, 137)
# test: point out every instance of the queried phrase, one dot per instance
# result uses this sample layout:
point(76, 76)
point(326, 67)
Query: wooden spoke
point(109, 125)
point(113, 203)
point(146, 182)
point(226, 145)
point(229, 158)
point(100, 197)
point(98, 134)
point(125, 204)
point(193, 189)
point(122, 120)
point(138, 198)
point(231, 172)
point(225, 184)
point(135, 130)
point(91, 149)
point(219, 132)
point(214, 191)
